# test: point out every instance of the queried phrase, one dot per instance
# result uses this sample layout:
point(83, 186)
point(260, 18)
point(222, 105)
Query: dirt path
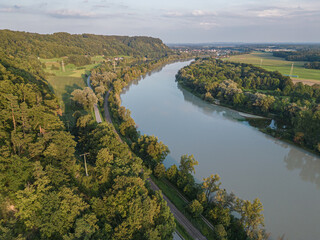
point(187, 225)
point(95, 106)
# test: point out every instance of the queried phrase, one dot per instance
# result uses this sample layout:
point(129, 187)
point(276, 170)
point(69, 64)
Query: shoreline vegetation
point(294, 108)
point(207, 198)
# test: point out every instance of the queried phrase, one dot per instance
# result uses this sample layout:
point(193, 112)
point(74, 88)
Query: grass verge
point(181, 205)
point(182, 231)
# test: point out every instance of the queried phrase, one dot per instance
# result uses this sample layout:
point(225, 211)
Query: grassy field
point(63, 83)
point(70, 69)
point(63, 86)
point(268, 62)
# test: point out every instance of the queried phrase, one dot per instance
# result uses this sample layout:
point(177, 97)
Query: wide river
point(251, 164)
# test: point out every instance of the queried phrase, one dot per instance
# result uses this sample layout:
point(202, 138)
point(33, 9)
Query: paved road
point(95, 106)
point(187, 225)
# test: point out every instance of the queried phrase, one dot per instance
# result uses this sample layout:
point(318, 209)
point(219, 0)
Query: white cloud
point(174, 14)
point(70, 13)
point(208, 25)
point(272, 13)
point(198, 13)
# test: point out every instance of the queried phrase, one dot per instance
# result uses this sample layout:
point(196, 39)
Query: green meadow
point(271, 63)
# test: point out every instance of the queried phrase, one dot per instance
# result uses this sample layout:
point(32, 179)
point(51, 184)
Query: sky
point(173, 21)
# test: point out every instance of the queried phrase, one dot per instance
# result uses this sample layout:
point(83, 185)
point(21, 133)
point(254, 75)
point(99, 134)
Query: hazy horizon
point(244, 21)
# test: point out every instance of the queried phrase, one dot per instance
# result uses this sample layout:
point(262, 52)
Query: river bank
point(250, 163)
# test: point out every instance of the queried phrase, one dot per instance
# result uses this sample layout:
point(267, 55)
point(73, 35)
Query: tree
point(85, 97)
point(160, 170)
point(211, 185)
point(263, 101)
point(195, 208)
point(251, 217)
point(150, 150)
point(187, 164)
point(220, 232)
point(171, 173)
point(52, 212)
point(219, 215)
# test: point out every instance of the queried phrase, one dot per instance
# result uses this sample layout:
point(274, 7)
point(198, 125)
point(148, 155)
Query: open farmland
point(268, 62)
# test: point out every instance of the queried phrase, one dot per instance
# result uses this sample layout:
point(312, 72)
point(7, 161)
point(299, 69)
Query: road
point(187, 225)
point(95, 106)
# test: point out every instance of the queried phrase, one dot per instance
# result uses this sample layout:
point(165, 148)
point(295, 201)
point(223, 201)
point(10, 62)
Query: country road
point(187, 225)
point(95, 106)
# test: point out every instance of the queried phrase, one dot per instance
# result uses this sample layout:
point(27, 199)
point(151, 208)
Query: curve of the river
point(250, 163)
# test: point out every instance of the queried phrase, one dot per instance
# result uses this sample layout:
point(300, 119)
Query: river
point(250, 163)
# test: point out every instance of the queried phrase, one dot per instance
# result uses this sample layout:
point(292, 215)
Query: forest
point(252, 89)
point(62, 44)
point(44, 190)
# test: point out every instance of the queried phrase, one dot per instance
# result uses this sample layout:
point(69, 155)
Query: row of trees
point(312, 65)
point(153, 152)
point(296, 105)
point(78, 60)
point(308, 55)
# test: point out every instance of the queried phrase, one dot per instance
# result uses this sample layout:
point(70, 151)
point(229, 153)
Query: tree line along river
point(249, 162)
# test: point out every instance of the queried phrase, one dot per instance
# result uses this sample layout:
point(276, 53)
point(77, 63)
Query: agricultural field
point(64, 81)
point(268, 62)
point(55, 66)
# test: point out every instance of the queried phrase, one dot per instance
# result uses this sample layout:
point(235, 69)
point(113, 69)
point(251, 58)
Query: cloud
point(272, 13)
point(198, 13)
point(173, 14)
point(8, 9)
point(208, 25)
point(192, 15)
point(284, 12)
point(70, 13)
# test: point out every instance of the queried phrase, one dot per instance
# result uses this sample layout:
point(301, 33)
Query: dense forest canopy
point(253, 89)
point(44, 192)
point(63, 44)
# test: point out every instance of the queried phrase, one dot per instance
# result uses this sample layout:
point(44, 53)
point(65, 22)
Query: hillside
point(62, 44)
point(44, 191)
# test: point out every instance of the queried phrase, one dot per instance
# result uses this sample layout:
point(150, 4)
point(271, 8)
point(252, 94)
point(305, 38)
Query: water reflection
point(307, 164)
point(137, 80)
point(208, 108)
point(296, 159)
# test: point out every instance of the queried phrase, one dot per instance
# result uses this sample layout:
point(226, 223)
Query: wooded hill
point(61, 44)
point(44, 191)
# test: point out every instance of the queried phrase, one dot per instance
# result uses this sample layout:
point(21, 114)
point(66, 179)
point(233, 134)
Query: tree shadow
point(70, 105)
